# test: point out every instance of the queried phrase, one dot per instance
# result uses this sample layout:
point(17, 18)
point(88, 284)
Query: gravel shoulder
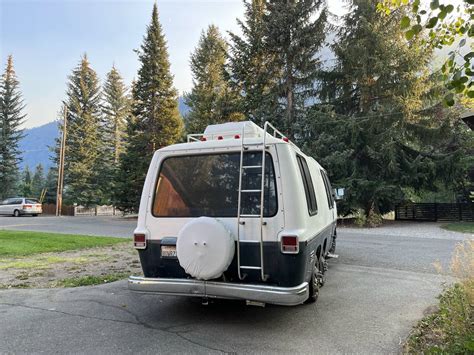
point(428, 230)
point(48, 270)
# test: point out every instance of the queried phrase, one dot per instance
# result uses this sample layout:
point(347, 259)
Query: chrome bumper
point(286, 296)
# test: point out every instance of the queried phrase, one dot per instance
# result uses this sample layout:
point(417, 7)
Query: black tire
point(34, 215)
point(332, 250)
point(16, 213)
point(313, 285)
point(322, 271)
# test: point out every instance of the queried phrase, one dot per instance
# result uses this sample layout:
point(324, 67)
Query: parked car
point(210, 226)
point(19, 206)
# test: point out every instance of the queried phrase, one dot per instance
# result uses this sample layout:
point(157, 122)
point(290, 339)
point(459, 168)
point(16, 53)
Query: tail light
point(27, 206)
point(139, 241)
point(289, 244)
point(220, 138)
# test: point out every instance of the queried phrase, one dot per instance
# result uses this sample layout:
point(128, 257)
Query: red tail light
point(220, 138)
point(27, 206)
point(285, 139)
point(289, 244)
point(139, 241)
point(203, 139)
point(237, 136)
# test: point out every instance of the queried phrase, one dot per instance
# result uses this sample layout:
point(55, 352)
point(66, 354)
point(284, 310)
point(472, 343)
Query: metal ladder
point(242, 168)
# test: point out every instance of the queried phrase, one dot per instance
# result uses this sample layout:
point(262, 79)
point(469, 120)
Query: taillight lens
point(139, 241)
point(289, 244)
point(27, 206)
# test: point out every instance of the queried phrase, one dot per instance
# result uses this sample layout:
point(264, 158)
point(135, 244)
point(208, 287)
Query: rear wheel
point(16, 213)
point(34, 215)
point(323, 266)
point(314, 285)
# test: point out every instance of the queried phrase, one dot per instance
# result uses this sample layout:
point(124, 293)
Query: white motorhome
point(209, 226)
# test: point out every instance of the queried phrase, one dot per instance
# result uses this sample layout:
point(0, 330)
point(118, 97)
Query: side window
point(328, 188)
point(308, 186)
point(16, 201)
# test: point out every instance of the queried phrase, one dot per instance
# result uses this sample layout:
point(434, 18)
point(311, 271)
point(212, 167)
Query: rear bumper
point(286, 296)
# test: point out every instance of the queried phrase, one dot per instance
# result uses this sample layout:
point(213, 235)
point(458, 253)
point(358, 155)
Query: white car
point(19, 206)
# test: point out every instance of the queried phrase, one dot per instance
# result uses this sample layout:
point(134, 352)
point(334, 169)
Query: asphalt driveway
point(378, 288)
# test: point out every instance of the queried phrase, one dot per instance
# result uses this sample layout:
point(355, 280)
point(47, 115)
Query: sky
point(48, 37)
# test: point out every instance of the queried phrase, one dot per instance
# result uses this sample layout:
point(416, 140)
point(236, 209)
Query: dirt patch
point(51, 269)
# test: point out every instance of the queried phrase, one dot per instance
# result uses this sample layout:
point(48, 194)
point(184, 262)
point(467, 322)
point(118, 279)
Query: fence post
point(460, 211)
point(396, 212)
point(436, 212)
point(95, 210)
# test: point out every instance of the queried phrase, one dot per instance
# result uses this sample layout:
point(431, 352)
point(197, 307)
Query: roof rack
point(236, 130)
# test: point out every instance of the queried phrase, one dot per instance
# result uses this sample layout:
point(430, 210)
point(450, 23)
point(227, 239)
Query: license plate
point(168, 251)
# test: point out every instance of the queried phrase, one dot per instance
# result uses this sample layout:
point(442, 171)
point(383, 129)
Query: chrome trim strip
point(285, 296)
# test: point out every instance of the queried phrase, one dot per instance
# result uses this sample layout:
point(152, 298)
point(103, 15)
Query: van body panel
point(161, 227)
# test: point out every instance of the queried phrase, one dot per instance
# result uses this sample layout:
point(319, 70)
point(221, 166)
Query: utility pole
point(62, 151)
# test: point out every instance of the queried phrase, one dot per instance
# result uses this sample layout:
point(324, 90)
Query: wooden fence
point(50, 208)
point(435, 212)
point(81, 210)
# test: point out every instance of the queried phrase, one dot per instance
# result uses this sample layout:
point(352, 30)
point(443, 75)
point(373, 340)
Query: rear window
point(207, 185)
point(30, 200)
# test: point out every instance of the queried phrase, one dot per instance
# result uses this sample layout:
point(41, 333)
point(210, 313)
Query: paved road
point(377, 289)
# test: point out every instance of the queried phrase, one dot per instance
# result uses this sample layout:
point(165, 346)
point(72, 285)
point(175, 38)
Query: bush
point(451, 328)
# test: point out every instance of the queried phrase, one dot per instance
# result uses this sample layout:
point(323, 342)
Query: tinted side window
point(16, 201)
point(328, 188)
point(308, 186)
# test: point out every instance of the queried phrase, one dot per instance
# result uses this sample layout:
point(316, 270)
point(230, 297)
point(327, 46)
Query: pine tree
point(294, 34)
point(249, 65)
point(116, 109)
point(155, 120)
point(38, 182)
point(11, 119)
point(211, 100)
point(84, 147)
point(51, 185)
point(26, 187)
point(370, 129)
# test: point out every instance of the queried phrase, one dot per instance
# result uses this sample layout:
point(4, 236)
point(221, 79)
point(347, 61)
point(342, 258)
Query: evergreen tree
point(372, 130)
point(249, 65)
point(295, 32)
point(38, 183)
point(51, 186)
point(11, 118)
point(211, 100)
point(26, 187)
point(115, 108)
point(155, 121)
point(84, 146)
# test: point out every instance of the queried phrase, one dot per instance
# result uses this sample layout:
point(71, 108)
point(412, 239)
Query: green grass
point(449, 330)
point(463, 227)
point(24, 243)
point(92, 280)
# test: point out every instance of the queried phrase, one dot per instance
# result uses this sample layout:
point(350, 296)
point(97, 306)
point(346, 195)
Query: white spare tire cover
point(205, 248)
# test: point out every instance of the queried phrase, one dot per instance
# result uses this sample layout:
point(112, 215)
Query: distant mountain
point(35, 145)
point(183, 108)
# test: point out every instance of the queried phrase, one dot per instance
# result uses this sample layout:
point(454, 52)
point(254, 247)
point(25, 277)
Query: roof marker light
point(237, 136)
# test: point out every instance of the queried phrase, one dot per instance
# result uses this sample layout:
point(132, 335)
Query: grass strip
point(92, 280)
point(463, 227)
point(24, 243)
point(449, 330)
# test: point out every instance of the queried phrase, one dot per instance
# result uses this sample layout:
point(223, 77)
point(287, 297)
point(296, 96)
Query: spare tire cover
point(205, 248)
